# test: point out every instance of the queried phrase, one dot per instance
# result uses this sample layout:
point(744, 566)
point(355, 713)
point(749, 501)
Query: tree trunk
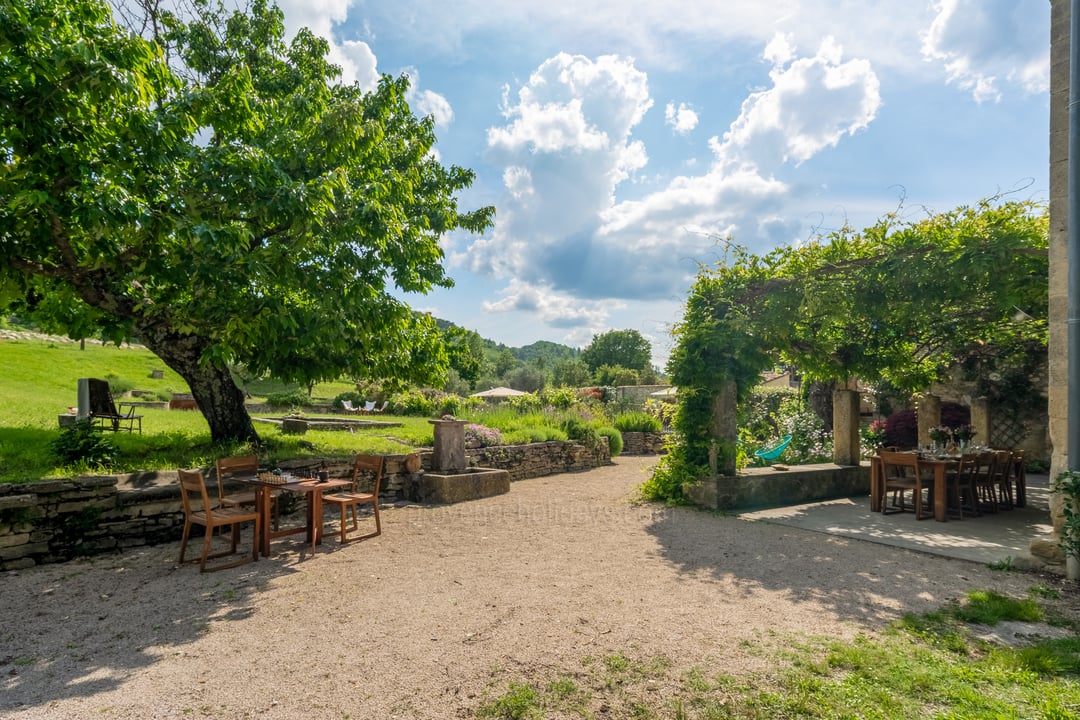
point(220, 401)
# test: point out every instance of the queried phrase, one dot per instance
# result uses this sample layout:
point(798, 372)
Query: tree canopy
point(625, 348)
point(217, 194)
point(902, 301)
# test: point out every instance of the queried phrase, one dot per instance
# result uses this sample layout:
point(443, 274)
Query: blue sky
point(619, 140)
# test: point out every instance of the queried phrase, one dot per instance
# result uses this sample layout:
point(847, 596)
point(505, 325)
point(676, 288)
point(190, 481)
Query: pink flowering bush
point(478, 436)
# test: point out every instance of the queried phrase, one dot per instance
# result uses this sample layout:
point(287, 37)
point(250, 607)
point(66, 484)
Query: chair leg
point(184, 539)
point(207, 539)
point(344, 511)
point(378, 523)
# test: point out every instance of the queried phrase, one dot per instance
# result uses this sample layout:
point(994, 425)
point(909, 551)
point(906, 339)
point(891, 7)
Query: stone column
point(724, 430)
point(448, 452)
point(846, 427)
point(980, 420)
point(928, 411)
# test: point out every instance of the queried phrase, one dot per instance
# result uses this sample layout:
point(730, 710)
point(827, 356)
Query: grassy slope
point(38, 381)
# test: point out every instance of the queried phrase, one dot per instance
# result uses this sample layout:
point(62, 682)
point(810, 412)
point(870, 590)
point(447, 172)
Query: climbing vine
point(899, 302)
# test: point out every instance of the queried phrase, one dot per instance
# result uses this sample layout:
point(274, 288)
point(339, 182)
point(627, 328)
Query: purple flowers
point(477, 436)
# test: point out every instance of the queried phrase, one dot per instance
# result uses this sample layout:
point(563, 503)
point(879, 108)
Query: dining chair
point(999, 479)
point(1018, 477)
point(901, 472)
point(198, 510)
point(368, 468)
point(961, 486)
point(229, 467)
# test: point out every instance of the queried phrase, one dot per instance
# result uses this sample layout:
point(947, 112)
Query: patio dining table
point(311, 488)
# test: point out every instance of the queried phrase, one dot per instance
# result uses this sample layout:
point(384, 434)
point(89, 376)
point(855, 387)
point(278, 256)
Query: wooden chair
point(370, 465)
point(961, 486)
point(1018, 477)
point(193, 486)
point(901, 472)
point(998, 486)
point(228, 467)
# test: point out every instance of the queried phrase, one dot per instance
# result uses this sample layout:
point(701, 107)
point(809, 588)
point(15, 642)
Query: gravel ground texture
point(451, 604)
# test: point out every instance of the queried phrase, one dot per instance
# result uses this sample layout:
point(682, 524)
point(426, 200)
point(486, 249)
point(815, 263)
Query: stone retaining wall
point(57, 520)
point(643, 443)
point(539, 459)
point(767, 487)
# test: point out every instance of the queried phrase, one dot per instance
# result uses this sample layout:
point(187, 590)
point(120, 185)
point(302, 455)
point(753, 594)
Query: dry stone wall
point(57, 520)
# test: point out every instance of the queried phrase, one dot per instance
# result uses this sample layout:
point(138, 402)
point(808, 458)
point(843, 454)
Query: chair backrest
point(1018, 469)
point(347, 404)
point(369, 406)
point(382, 408)
point(1002, 465)
point(101, 399)
point(192, 487)
point(899, 465)
point(230, 466)
point(367, 465)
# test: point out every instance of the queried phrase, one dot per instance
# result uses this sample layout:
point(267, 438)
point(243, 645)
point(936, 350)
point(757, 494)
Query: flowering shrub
point(481, 436)
point(874, 434)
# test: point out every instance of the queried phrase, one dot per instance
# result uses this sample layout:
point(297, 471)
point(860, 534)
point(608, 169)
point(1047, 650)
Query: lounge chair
point(348, 407)
point(103, 410)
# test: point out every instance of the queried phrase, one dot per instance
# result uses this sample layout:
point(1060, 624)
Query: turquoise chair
point(766, 455)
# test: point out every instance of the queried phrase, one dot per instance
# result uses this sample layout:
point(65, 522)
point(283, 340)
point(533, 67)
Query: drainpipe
point(1073, 244)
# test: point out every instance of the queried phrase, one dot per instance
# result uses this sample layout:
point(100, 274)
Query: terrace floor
point(992, 538)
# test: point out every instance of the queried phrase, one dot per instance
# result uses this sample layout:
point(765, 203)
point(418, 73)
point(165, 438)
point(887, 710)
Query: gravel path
point(446, 607)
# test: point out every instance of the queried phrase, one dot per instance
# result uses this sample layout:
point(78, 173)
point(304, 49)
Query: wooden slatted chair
point(1018, 477)
point(902, 472)
point(199, 511)
point(229, 467)
point(364, 467)
point(961, 486)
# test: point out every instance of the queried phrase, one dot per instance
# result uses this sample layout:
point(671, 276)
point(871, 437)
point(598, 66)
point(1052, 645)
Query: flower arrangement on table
point(963, 434)
point(940, 434)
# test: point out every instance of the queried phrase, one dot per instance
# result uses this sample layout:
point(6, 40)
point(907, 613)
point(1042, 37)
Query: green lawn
point(38, 382)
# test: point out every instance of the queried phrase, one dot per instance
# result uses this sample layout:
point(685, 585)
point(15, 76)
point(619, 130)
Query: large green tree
point(217, 194)
point(625, 348)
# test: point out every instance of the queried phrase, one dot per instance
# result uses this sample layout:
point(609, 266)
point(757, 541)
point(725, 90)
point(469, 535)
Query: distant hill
point(543, 351)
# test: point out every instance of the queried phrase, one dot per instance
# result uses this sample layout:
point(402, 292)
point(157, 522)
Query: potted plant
point(1067, 484)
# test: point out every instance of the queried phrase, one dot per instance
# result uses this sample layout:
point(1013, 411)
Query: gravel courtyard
point(447, 607)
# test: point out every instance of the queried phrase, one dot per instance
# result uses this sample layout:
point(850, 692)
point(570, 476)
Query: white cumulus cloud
point(985, 44)
point(682, 119)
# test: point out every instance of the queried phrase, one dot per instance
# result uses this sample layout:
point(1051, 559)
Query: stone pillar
point(448, 452)
point(928, 412)
point(980, 420)
point(724, 430)
point(1045, 548)
point(846, 427)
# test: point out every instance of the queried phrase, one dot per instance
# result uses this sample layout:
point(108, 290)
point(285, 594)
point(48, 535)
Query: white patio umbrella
point(498, 392)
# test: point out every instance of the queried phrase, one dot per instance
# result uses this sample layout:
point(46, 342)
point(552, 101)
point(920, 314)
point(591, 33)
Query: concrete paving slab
point(991, 538)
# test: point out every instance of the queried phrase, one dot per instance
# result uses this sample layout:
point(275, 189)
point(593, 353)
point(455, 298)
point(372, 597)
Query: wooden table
point(938, 492)
point(313, 492)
